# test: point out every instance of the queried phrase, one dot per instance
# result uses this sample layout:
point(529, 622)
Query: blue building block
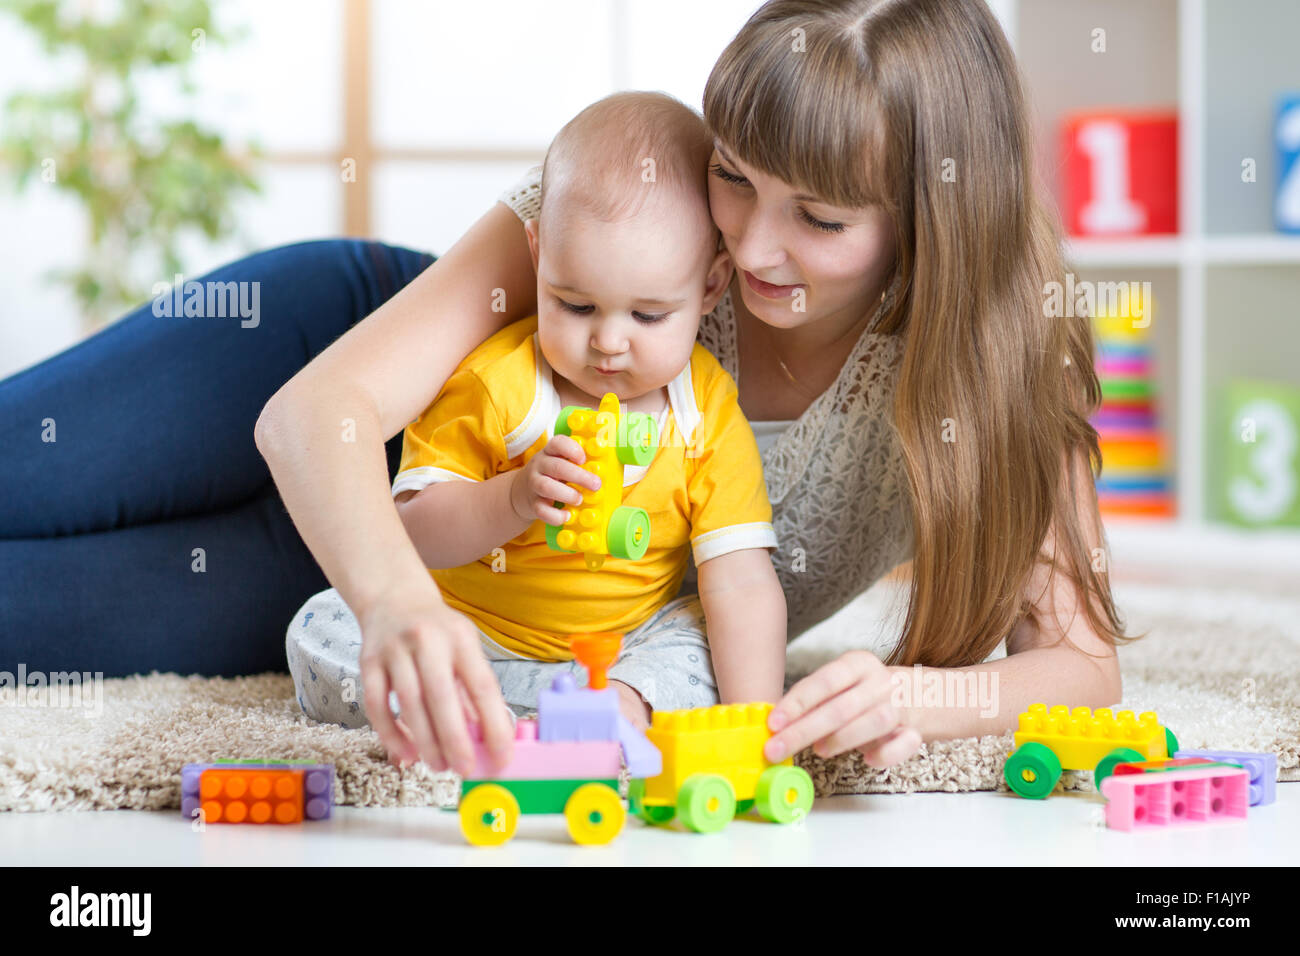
point(567, 712)
point(1261, 769)
point(1286, 138)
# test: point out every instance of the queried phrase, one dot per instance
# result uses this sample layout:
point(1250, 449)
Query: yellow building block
point(1080, 738)
point(726, 739)
point(601, 525)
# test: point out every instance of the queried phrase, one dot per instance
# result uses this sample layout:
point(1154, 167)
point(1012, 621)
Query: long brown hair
point(917, 105)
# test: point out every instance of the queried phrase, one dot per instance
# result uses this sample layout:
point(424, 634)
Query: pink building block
point(1189, 797)
point(556, 760)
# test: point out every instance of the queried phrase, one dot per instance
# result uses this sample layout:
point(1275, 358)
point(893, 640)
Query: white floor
point(921, 829)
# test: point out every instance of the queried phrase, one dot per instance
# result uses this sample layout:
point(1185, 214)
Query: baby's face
point(619, 304)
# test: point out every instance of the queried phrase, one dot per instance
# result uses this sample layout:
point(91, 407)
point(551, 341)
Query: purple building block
point(566, 712)
point(1261, 769)
point(317, 785)
point(643, 758)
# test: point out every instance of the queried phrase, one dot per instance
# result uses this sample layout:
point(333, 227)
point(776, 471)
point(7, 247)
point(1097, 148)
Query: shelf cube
point(1258, 446)
point(1121, 174)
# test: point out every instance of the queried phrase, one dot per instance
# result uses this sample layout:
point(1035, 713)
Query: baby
point(627, 260)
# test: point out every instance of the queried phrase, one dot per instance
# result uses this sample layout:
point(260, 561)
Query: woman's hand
point(844, 705)
point(414, 644)
point(542, 482)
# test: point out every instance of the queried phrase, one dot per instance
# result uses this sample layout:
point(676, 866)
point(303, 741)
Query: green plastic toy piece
point(784, 794)
point(629, 532)
point(638, 438)
point(1032, 771)
point(538, 796)
point(635, 802)
point(706, 802)
point(1107, 765)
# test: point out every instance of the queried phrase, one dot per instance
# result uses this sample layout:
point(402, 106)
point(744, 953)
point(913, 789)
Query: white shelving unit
point(1220, 64)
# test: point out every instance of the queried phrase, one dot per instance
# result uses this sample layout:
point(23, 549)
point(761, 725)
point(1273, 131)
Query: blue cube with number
point(1286, 137)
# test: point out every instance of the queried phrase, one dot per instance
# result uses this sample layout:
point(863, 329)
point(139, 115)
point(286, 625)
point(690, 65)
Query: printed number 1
point(1110, 208)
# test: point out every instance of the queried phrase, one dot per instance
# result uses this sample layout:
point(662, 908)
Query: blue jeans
point(153, 457)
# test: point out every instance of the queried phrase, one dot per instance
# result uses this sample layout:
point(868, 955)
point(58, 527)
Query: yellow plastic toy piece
point(489, 815)
point(1080, 738)
point(726, 740)
point(594, 814)
point(601, 525)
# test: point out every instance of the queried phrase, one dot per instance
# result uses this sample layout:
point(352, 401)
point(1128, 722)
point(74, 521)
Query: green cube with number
point(1257, 448)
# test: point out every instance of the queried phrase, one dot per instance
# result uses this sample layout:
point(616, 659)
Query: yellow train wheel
point(595, 814)
point(488, 815)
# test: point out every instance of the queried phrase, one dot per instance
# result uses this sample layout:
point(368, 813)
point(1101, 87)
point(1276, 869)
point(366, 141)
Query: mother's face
point(783, 241)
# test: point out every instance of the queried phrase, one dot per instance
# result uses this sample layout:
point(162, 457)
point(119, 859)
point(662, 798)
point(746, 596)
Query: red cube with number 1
point(1121, 174)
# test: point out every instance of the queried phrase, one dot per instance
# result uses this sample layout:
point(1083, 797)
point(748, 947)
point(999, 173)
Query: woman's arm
point(322, 435)
point(379, 376)
point(1041, 664)
point(856, 702)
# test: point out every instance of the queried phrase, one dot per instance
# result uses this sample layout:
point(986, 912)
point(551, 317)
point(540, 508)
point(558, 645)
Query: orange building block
point(251, 796)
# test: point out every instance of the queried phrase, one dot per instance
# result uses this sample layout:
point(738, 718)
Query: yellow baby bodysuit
point(704, 489)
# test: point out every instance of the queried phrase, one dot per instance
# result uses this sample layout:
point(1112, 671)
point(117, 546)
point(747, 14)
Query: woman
point(873, 185)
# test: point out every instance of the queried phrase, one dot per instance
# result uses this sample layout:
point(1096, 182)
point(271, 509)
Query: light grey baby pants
point(666, 660)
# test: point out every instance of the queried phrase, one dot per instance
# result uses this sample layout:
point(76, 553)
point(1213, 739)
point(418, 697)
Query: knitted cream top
point(835, 476)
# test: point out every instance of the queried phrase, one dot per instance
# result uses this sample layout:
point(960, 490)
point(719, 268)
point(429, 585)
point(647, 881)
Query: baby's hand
point(541, 482)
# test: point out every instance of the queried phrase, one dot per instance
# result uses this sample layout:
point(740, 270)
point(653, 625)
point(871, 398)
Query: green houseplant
point(144, 182)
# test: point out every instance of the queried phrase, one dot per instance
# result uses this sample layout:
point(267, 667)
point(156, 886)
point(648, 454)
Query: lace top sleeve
point(525, 196)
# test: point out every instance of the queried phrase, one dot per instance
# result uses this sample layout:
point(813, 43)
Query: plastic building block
point(534, 759)
point(1286, 141)
point(592, 809)
point(602, 525)
point(641, 756)
point(251, 795)
point(1261, 768)
point(1056, 739)
point(564, 712)
point(596, 652)
point(317, 785)
point(1190, 796)
point(567, 761)
point(1168, 763)
point(714, 768)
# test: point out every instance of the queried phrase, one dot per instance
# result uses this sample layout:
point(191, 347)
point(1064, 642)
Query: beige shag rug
point(1222, 668)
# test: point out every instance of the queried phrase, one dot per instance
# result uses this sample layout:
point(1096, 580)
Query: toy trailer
point(1064, 739)
point(714, 770)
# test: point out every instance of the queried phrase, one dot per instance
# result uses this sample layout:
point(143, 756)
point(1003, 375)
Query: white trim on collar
point(543, 411)
point(546, 408)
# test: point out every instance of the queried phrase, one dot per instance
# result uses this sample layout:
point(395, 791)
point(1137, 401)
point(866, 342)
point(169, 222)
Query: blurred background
point(141, 139)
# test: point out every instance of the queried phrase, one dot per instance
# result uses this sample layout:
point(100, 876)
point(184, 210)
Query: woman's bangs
point(817, 129)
